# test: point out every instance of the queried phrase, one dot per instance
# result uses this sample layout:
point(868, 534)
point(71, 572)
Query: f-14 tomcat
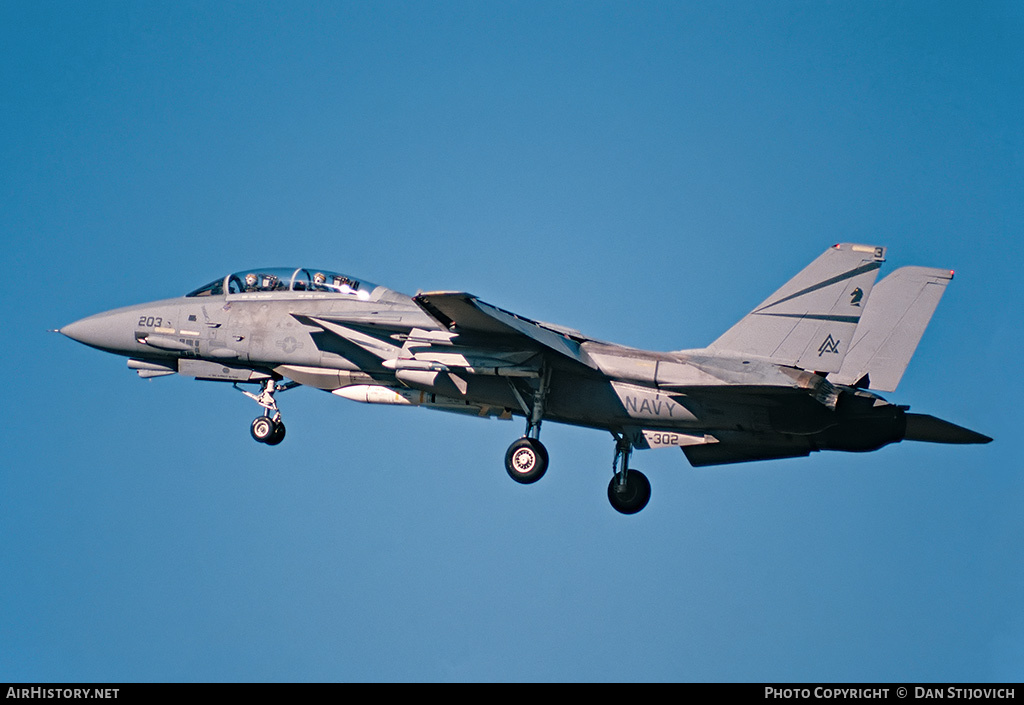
point(798, 374)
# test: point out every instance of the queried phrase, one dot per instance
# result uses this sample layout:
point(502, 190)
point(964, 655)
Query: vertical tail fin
point(901, 306)
point(810, 321)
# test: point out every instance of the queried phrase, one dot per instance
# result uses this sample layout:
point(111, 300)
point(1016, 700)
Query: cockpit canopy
point(287, 279)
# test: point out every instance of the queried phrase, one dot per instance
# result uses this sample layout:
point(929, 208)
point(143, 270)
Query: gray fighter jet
point(791, 377)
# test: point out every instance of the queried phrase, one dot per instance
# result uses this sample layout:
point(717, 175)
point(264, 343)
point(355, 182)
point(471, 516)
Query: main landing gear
point(526, 460)
point(268, 428)
point(629, 491)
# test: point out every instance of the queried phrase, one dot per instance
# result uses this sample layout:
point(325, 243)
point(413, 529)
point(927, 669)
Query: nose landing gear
point(268, 428)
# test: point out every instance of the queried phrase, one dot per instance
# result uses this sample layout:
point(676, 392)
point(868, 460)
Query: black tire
point(634, 496)
point(277, 436)
point(263, 429)
point(526, 460)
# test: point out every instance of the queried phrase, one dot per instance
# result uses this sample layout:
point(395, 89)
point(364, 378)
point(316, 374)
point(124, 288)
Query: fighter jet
point(800, 373)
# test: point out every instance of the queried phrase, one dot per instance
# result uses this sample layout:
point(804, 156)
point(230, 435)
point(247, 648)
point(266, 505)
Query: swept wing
point(464, 313)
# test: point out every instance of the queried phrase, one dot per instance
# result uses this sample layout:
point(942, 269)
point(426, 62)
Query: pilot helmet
point(250, 279)
point(319, 278)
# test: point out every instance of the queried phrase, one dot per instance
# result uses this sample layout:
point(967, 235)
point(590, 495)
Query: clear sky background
point(645, 172)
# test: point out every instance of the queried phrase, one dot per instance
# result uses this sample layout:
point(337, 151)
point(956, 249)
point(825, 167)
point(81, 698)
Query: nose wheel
point(266, 429)
point(269, 428)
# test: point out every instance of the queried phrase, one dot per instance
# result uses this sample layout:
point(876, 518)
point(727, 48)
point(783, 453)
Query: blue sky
point(644, 172)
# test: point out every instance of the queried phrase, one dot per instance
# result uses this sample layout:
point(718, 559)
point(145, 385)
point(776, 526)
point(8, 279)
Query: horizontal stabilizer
point(900, 308)
point(810, 321)
point(923, 427)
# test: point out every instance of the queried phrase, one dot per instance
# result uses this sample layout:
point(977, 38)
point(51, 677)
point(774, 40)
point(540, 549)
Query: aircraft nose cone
point(94, 331)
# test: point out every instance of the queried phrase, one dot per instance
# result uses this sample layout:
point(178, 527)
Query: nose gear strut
point(268, 428)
